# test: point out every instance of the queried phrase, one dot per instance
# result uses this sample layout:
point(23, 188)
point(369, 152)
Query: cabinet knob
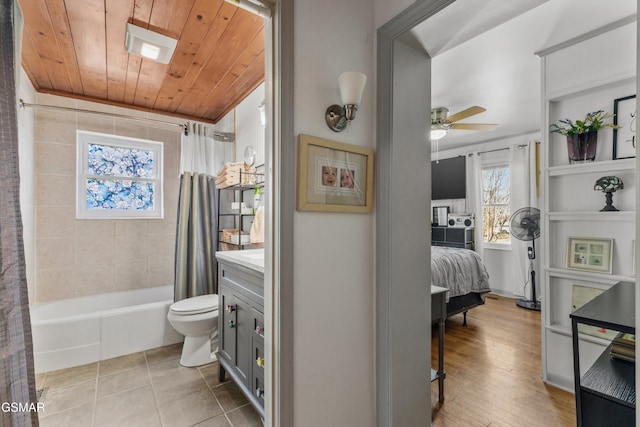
point(260, 361)
point(259, 392)
point(260, 330)
point(232, 324)
point(230, 308)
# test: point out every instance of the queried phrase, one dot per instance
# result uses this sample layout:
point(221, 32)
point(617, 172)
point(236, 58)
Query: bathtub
point(83, 330)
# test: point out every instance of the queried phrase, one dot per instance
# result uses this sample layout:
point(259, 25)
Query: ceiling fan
point(441, 124)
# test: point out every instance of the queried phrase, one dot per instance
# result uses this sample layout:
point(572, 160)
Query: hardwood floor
point(493, 371)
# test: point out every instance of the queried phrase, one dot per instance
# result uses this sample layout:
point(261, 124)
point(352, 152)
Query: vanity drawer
point(257, 341)
point(258, 387)
point(258, 358)
point(227, 321)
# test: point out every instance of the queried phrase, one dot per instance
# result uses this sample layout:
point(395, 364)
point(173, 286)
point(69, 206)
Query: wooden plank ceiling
point(75, 48)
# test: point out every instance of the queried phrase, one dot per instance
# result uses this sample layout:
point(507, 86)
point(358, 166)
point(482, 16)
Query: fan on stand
point(525, 225)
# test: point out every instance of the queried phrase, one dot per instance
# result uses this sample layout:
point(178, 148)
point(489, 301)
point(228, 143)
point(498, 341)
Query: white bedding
point(459, 270)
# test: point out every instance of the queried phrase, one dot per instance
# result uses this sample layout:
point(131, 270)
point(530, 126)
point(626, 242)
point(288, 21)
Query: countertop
point(250, 258)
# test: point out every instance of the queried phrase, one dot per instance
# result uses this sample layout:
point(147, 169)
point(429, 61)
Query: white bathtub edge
point(78, 339)
point(66, 358)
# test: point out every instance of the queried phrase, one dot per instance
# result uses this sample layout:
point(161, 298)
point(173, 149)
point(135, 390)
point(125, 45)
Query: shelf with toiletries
point(238, 203)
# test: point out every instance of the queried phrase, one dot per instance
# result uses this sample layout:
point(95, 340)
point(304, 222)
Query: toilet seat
point(195, 305)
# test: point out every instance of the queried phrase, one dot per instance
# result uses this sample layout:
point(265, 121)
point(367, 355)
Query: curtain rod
point(499, 149)
point(220, 136)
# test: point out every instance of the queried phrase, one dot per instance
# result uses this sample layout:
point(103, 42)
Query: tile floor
point(143, 389)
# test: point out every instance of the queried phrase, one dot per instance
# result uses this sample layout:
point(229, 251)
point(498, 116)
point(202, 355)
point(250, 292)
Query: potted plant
point(582, 136)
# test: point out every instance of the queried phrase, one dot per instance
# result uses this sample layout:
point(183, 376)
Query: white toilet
point(197, 319)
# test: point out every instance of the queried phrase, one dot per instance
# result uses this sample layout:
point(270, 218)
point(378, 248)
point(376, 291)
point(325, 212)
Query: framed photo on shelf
point(334, 177)
point(589, 254)
point(624, 139)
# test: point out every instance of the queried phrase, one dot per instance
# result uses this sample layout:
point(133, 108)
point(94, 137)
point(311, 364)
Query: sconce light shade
point(351, 88)
point(263, 114)
point(149, 44)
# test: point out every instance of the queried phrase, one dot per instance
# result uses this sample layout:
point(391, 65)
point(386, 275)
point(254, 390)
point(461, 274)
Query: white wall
point(249, 129)
point(334, 320)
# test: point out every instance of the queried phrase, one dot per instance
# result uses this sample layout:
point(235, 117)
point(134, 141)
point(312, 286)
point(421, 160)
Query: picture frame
point(624, 139)
point(589, 254)
point(333, 176)
point(440, 216)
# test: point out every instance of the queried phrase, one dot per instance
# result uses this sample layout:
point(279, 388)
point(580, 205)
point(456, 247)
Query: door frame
point(403, 309)
point(279, 208)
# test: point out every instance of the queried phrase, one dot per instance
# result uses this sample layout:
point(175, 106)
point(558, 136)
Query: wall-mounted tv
point(448, 179)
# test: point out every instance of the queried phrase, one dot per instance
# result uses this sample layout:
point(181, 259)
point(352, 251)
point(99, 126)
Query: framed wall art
point(334, 177)
point(589, 254)
point(624, 139)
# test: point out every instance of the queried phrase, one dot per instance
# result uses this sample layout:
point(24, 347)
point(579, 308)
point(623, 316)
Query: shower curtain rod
point(219, 136)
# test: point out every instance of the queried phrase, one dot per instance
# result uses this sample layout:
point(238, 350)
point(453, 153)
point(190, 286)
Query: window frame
point(495, 164)
point(83, 140)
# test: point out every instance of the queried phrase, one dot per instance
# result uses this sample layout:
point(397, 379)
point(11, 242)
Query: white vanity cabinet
point(241, 324)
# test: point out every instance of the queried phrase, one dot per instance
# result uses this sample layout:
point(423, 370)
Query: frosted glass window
point(118, 177)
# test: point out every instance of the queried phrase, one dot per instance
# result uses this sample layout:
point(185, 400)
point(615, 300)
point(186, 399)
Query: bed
point(464, 274)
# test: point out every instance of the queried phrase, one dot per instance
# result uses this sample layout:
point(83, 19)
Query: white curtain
point(198, 151)
point(474, 197)
point(520, 197)
point(196, 234)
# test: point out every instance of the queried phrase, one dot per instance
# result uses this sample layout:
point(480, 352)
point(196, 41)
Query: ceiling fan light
point(438, 133)
point(149, 44)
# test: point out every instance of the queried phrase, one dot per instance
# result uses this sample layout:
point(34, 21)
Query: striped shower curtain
point(17, 379)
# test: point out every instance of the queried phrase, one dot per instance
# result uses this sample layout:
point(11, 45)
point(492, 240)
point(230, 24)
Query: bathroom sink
point(250, 258)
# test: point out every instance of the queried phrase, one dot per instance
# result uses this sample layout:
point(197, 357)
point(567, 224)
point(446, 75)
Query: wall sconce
point(149, 44)
point(351, 88)
point(263, 114)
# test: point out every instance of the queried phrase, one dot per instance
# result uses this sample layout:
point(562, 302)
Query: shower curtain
point(17, 378)
point(196, 236)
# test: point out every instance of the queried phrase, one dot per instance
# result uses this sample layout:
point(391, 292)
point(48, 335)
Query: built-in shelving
point(592, 216)
point(569, 208)
point(598, 166)
point(591, 86)
point(607, 279)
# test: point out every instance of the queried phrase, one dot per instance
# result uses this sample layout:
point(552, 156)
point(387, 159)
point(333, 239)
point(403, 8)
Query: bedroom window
point(118, 177)
point(496, 198)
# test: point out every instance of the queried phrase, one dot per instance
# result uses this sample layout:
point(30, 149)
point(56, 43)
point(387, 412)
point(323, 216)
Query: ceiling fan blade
point(473, 126)
point(471, 111)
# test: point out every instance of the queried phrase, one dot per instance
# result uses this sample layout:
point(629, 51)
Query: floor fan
point(525, 225)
